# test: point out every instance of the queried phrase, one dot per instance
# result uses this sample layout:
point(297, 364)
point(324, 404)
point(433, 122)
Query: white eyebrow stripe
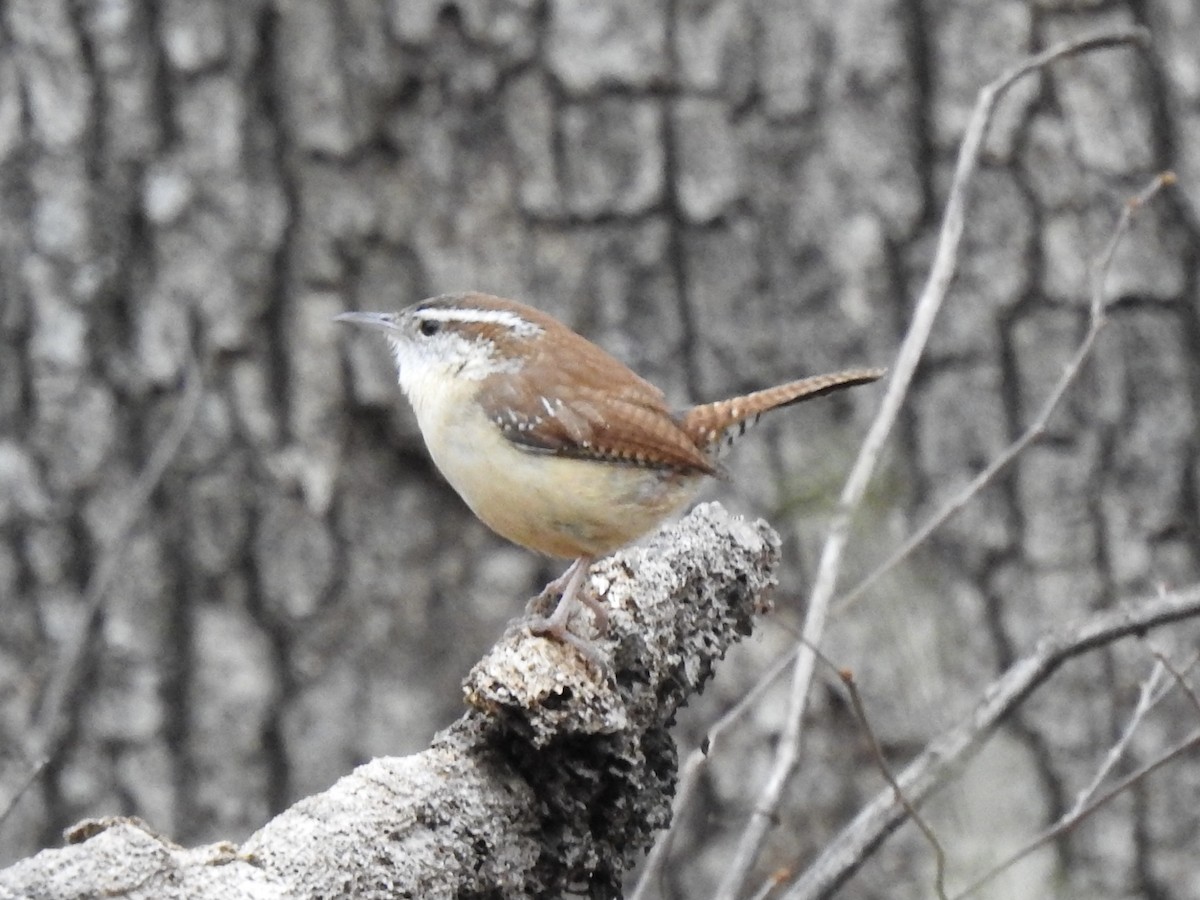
point(501, 317)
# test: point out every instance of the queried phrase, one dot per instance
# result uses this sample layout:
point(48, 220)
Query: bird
point(552, 442)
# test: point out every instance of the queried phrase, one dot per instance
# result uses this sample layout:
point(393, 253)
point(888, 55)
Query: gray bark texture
point(224, 493)
point(558, 777)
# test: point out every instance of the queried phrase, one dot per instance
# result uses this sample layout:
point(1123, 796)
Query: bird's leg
point(568, 585)
point(555, 625)
point(558, 586)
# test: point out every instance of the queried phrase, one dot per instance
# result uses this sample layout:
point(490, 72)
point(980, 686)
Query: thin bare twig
point(1070, 821)
point(846, 677)
point(945, 756)
point(1190, 742)
point(693, 768)
point(35, 770)
point(1037, 427)
point(1070, 374)
point(50, 726)
point(939, 855)
point(768, 887)
point(1148, 697)
point(1151, 694)
point(1178, 675)
point(911, 350)
point(860, 711)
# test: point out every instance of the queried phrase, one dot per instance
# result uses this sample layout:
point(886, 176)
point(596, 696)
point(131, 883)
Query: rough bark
point(724, 195)
point(557, 778)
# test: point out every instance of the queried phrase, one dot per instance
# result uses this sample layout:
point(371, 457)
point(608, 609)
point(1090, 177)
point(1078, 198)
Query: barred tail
point(712, 422)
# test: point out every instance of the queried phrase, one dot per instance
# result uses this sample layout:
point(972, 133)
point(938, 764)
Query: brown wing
point(579, 401)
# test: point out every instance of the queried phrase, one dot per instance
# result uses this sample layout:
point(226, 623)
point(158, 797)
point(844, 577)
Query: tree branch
point(556, 779)
point(944, 757)
point(1087, 801)
point(912, 348)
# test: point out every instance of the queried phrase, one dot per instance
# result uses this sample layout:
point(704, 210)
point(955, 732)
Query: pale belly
point(557, 506)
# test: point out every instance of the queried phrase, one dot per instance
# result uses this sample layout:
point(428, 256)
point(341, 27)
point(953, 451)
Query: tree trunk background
point(723, 194)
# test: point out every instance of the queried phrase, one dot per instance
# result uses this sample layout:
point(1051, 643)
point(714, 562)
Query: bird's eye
point(430, 327)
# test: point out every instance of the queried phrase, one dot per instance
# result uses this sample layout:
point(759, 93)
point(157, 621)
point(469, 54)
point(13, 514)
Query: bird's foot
point(545, 626)
point(570, 585)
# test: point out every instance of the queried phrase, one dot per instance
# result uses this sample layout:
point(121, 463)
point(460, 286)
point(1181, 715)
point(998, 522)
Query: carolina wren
point(553, 443)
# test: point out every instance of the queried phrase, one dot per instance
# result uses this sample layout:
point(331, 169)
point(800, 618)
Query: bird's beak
point(381, 321)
